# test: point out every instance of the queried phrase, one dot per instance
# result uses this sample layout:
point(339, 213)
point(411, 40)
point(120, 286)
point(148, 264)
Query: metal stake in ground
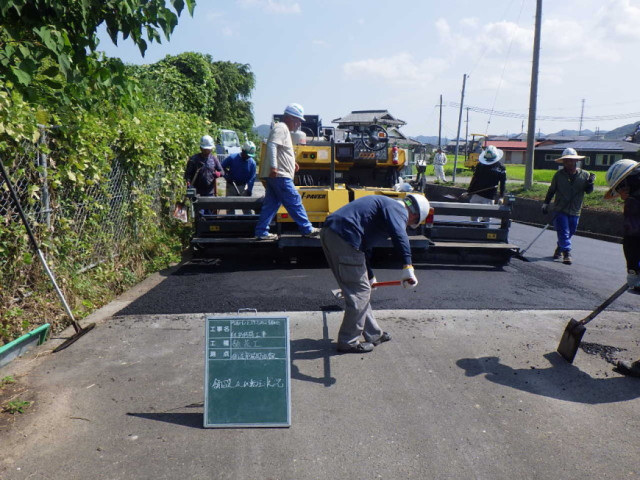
point(76, 326)
point(575, 329)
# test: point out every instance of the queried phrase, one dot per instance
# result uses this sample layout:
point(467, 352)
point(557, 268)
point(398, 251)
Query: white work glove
point(408, 277)
point(545, 208)
point(372, 280)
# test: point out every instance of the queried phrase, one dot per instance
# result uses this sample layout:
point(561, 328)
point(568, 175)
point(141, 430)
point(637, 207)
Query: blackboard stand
point(247, 372)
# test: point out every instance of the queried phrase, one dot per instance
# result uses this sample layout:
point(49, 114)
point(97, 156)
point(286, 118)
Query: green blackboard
point(247, 378)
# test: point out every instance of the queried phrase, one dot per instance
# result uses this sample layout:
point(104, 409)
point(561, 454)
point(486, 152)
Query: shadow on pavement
point(561, 380)
point(194, 420)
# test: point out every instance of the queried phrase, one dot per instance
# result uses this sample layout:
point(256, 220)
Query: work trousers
point(439, 171)
point(350, 270)
point(237, 190)
point(565, 226)
point(475, 198)
point(631, 249)
point(281, 191)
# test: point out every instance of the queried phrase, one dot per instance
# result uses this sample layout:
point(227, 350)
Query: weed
point(7, 381)
point(16, 406)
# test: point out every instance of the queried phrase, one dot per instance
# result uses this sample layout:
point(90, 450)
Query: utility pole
point(440, 125)
point(466, 138)
point(455, 159)
point(533, 100)
point(581, 116)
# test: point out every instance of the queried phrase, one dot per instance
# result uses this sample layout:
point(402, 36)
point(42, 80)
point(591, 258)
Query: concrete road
point(455, 394)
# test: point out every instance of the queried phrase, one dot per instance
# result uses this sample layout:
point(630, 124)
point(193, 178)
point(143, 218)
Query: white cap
point(206, 142)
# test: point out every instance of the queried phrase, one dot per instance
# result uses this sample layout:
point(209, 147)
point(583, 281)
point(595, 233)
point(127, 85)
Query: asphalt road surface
point(259, 279)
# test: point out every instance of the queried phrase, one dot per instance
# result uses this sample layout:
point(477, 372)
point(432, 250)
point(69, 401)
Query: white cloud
point(273, 6)
point(620, 20)
point(227, 32)
point(399, 69)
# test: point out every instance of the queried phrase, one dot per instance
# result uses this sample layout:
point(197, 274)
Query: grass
point(516, 172)
point(16, 406)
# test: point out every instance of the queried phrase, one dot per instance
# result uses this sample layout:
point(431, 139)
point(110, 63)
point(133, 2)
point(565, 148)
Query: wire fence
point(94, 228)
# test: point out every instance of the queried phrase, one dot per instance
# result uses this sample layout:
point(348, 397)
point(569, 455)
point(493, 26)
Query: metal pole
point(42, 161)
point(533, 99)
point(440, 125)
point(581, 115)
point(466, 138)
point(455, 159)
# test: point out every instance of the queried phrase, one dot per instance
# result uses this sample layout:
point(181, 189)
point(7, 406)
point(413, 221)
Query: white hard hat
point(418, 204)
point(617, 173)
point(206, 142)
point(249, 148)
point(569, 154)
point(490, 155)
point(295, 110)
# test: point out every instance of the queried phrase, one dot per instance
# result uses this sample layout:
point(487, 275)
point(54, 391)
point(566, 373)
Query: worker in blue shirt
point(240, 173)
point(348, 237)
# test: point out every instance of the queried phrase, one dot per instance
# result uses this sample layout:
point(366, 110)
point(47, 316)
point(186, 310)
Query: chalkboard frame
point(217, 368)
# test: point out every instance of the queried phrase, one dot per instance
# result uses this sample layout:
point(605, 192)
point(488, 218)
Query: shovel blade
point(571, 338)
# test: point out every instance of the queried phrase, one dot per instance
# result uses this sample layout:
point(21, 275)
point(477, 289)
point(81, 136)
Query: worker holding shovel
point(623, 178)
point(347, 238)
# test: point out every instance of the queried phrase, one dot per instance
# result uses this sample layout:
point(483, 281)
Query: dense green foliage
point(54, 40)
point(117, 142)
point(194, 83)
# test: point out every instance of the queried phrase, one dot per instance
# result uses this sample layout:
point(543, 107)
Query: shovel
point(575, 329)
point(338, 293)
point(521, 253)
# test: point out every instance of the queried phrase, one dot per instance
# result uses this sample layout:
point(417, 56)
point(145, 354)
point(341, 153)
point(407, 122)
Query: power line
point(548, 118)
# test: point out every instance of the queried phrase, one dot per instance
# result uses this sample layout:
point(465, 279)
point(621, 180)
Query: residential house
point(600, 154)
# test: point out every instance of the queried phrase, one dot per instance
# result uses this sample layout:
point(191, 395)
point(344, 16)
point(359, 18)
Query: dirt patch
point(13, 391)
point(610, 354)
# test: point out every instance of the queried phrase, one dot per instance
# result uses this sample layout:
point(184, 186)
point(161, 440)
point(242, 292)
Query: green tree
point(193, 83)
point(62, 35)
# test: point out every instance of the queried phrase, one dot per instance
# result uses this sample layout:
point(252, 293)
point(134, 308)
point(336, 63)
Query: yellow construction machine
point(474, 149)
point(333, 173)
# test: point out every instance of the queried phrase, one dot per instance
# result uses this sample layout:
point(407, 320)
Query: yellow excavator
point(474, 149)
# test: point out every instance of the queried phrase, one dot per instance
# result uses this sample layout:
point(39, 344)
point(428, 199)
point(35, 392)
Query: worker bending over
point(348, 237)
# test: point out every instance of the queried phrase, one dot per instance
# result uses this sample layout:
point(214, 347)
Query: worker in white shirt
point(439, 161)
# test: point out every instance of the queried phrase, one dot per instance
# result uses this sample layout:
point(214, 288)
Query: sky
point(336, 56)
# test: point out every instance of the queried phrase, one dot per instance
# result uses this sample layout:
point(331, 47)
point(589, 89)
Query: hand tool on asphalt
point(575, 329)
point(76, 326)
point(465, 196)
point(338, 293)
point(521, 253)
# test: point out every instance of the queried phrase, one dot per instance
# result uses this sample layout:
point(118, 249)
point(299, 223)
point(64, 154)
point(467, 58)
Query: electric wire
point(549, 118)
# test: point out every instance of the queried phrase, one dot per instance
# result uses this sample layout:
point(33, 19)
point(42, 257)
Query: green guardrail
point(21, 345)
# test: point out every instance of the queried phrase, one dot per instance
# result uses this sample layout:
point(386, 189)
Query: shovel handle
point(386, 284)
point(604, 304)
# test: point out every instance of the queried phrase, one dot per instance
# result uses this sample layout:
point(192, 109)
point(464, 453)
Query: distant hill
point(431, 140)
point(621, 132)
point(573, 133)
point(262, 130)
